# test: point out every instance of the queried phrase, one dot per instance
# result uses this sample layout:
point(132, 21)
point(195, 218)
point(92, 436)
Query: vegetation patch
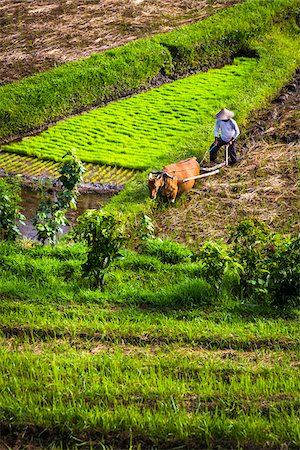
point(33, 167)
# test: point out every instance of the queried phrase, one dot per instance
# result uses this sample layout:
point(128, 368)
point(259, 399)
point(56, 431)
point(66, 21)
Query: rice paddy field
point(159, 359)
point(177, 119)
point(34, 167)
point(144, 129)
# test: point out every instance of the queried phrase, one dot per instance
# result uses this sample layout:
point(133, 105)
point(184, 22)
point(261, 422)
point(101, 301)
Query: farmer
point(226, 132)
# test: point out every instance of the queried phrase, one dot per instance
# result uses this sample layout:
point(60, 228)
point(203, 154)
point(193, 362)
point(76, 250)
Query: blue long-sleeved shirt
point(228, 130)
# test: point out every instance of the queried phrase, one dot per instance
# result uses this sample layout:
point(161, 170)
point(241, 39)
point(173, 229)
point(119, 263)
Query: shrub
point(104, 235)
point(216, 263)
point(271, 263)
point(50, 217)
point(10, 199)
point(284, 273)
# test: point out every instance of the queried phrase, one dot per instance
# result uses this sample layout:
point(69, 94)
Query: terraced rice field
point(35, 167)
point(143, 131)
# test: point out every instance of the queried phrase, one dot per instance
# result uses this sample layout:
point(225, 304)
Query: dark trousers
point(214, 148)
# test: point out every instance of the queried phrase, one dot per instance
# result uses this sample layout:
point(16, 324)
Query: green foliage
point(49, 220)
point(104, 235)
point(146, 228)
point(167, 251)
point(71, 172)
point(284, 276)
point(10, 199)
point(271, 263)
point(51, 214)
point(216, 263)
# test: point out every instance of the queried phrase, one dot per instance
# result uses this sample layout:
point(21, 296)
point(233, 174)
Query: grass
point(126, 368)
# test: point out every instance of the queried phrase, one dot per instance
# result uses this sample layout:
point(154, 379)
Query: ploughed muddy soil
point(36, 35)
point(264, 184)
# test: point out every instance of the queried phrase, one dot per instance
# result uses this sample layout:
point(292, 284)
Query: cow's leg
point(174, 194)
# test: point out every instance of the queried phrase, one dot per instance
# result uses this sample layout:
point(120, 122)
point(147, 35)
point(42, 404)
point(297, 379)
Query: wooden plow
point(210, 170)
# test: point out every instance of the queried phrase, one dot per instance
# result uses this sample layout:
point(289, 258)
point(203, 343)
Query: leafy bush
point(50, 217)
point(10, 191)
point(146, 228)
point(167, 251)
point(104, 235)
point(284, 273)
point(216, 263)
point(271, 263)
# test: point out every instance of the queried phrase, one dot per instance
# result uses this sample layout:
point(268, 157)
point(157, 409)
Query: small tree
point(10, 199)
point(217, 262)
point(51, 214)
point(49, 220)
point(104, 235)
point(71, 173)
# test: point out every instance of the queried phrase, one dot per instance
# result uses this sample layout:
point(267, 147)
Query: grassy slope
point(161, 361)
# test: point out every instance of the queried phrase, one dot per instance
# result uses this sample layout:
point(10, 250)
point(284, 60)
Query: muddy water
point(86, 200)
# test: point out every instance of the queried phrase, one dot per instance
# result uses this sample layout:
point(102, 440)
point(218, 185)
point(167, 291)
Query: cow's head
point(155, 182)
point(170, 187)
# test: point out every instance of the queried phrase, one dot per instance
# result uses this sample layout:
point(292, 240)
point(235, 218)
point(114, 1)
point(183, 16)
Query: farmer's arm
point(217, 128)
point(236, 129)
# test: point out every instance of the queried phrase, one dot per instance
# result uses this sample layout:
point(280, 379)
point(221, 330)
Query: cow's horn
point(168, 175)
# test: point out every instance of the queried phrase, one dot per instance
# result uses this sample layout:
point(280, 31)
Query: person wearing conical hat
point(226, 132)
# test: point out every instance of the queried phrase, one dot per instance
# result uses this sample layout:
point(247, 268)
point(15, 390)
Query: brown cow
point(170, 180)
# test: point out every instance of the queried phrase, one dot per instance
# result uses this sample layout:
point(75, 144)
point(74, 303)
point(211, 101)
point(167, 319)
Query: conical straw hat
point(224, 114)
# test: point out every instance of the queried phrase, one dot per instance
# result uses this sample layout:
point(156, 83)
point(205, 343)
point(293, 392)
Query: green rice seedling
point(37, 100)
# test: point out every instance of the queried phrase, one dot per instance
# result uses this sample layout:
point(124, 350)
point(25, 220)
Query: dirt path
point(36, 35)
point(265, 184)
